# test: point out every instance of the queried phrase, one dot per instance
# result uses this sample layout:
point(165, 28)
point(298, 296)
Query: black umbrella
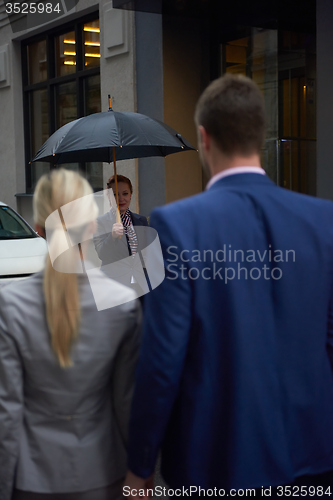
point(93, 137)
point(111, 136)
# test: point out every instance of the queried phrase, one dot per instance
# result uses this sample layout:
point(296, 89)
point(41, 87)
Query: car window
point(12, 226)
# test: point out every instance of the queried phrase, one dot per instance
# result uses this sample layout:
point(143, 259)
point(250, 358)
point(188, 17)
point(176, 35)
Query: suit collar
point(233, 171)
point(242, 180)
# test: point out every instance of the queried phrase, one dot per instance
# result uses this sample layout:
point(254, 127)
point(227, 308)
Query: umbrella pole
point(116, 182)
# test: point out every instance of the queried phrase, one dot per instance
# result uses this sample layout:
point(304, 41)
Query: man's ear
point(204, 138)
point(40, 230)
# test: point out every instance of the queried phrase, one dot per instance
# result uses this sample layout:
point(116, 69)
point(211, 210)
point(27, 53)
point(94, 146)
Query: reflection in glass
point(92, 52)
point(289, 164)
point(58, 56)
point(290, 99)
point(256, 56)
point(295, 155)
point(236, 52)
point(39, 131)
point(297, 107)
point(92, 95)
point(66, 103)
point(93, 170)
point(37, 170)
point(65, 54)
point(297, 111)
point(94, 174)
point(283, 64)
point(37, 62)
point(39, 124)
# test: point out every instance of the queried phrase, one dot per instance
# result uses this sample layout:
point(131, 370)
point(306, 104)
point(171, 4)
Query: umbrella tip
point(110, 106)
point(179, 137)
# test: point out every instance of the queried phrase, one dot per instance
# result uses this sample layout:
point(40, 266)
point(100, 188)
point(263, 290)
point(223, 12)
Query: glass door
point(254, 52)
point(297, 111)
point(283, 64)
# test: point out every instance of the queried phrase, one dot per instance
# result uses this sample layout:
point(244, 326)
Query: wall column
point(324, 99)
point(149, 85)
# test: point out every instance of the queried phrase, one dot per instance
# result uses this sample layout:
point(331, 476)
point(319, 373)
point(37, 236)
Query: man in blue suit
point(235, 381)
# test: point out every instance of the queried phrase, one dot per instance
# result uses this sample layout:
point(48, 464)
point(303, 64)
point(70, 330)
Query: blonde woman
point(66, 368)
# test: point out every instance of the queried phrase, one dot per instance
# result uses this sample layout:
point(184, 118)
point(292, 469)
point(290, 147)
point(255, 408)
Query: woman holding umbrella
point(66, 368)
point(116, 241)
point(128, 218)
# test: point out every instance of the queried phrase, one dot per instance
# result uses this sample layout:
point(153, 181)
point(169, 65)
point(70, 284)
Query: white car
point(22, 250)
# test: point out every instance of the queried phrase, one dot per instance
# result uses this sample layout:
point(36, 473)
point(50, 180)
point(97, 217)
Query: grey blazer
point(64, 430)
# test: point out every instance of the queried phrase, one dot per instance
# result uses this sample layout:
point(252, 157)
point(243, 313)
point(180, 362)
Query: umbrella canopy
point(98, 136)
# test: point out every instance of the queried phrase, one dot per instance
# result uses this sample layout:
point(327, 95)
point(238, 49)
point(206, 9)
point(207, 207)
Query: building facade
point(156, 57)
point(54, 72)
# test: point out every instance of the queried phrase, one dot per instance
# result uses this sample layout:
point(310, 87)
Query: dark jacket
point(115, 253)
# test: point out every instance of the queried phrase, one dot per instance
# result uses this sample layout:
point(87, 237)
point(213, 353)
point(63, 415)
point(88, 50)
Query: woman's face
point(124, 195)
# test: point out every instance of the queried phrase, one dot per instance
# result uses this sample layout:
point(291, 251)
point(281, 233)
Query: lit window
point(61, 72)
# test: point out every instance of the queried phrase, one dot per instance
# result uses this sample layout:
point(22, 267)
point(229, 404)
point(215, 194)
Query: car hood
point(25, 256)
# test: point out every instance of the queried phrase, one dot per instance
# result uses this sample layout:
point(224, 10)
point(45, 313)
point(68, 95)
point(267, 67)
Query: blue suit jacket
point(235, 377)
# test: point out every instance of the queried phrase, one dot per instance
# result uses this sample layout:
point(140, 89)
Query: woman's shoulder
point(139, 219)
point(21, 303)
point(22, 290)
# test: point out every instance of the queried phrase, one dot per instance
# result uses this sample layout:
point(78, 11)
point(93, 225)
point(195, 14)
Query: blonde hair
point(53, 191)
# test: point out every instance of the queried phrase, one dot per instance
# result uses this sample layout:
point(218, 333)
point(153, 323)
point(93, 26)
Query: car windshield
point(12, 226)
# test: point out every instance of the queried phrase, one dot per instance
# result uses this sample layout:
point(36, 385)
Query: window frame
point(50, 84)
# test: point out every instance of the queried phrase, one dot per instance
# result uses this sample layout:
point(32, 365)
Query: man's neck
point(224, 163)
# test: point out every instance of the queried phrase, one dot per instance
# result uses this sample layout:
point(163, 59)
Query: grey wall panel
point(149, 82)
point(324, 99)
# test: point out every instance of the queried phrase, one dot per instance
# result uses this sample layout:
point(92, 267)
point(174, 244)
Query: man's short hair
point(231, 110)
